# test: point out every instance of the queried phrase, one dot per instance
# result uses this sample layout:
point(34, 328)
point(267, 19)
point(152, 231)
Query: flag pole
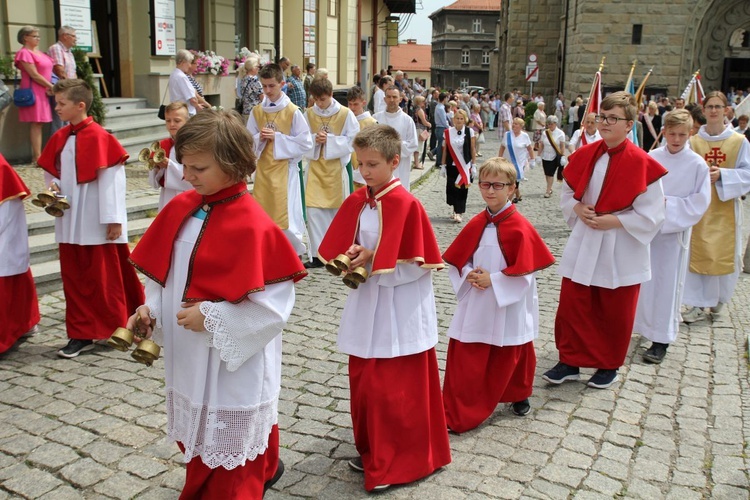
point(630, 77)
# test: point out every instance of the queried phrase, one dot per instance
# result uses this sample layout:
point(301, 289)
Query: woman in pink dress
point(36, 72)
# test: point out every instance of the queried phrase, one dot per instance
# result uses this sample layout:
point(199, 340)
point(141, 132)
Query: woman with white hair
point(250, 91)
point(553, 149)
point(538, 124)
point(180, 88)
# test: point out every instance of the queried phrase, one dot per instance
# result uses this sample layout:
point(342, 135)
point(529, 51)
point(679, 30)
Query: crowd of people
point(650, 231)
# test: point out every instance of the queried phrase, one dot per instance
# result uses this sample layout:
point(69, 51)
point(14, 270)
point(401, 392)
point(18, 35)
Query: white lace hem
point(221, 436)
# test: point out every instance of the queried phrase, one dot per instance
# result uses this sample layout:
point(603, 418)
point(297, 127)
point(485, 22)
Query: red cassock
point(19, 307)
point(396, 403)
point(478, 376)
point(593, 324)
point(101, 289)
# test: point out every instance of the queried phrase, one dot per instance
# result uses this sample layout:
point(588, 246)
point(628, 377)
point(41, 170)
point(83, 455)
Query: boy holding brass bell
point(87, 163)
point(220, 290)
point(167, 175)
point(389, 324)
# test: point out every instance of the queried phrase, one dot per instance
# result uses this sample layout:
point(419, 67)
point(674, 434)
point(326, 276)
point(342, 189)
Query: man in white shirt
point(404, 125)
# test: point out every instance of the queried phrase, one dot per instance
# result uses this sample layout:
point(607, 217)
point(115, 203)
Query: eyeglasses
point(609, 120)
point(497, 186)
point(714, 107)
point(34, 36)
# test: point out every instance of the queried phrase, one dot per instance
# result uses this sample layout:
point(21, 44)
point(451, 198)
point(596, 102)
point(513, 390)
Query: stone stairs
point(135, 125)
point(45, 264)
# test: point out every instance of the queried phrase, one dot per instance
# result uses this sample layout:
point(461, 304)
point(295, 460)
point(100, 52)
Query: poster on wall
point(163, 28)
point(77, 15)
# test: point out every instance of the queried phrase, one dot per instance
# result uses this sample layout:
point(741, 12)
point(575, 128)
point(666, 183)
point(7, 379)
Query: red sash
point(523, 249)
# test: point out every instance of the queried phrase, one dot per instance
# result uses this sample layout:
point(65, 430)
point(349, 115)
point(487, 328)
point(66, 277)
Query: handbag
point(481, 138)
point(162, 114)
point(424, 135)
point(23, 97)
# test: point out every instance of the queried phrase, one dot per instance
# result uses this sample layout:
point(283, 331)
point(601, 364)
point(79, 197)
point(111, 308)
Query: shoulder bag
point(23, 97)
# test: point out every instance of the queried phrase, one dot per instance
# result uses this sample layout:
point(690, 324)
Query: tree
point(86, 73)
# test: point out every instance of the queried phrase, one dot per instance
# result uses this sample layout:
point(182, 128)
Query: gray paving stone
point(52, 455)
point(142, 466)
point(85, 473)
point(121, 485)
point(32, 483)
point(105, 452)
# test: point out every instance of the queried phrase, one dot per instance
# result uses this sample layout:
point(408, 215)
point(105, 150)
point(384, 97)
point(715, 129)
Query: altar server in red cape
point(493, 264)
point(88, 165)
point(613, 201)
point(19, 308)
point(220, 290)
point(167, 177)
point(389, 324)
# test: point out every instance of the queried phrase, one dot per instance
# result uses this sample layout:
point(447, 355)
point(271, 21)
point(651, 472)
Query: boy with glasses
point(613, 201)
point(493, 264)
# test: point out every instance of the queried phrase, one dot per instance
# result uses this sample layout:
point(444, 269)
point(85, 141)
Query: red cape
point(630, 173)
point(523, 249)
point(11, 184)
point(95, 148)
point(239, 251)
point(166, 145)
point(405, 232)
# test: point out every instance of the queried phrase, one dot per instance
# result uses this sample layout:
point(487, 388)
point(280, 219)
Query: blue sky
point(420, 26)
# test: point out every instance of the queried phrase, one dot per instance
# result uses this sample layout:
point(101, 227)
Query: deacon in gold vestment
point(333, 128)
point(716, 243)
point(277, 181)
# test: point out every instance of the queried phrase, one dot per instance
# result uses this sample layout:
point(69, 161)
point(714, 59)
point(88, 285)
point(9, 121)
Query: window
point(465, 55)
point(485, 55)
point(464, 83)
point(194, 35)
point(332, 8)
point(637, 32)
point(477, 25)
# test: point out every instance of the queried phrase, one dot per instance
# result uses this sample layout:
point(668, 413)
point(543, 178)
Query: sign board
point(532, 73)
point(163, 28)
point(77, 15)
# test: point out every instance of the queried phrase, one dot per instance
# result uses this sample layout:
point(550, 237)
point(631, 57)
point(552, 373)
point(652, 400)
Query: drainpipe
point(565, 47)
point(277, 31)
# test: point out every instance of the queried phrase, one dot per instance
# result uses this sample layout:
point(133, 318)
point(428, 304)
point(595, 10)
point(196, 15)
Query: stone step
point(43, 248)
point(121, 103)
point(119, 117)
point(136, 128)
point(137, 208)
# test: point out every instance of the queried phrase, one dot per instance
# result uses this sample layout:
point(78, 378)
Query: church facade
point(675, 37)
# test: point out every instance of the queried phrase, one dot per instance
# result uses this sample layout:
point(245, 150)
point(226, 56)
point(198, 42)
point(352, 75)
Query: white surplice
point(336, 147)
point(392, 314)
point(93, 205)
point(577, 143)
point(378, 101)
point(506, 314)
point(405, 127)
point(615, 257)
point(14, 238)
point(292, 148)
point(687, 189)
point(708, 291)
point(174, 183)
point(222, 384)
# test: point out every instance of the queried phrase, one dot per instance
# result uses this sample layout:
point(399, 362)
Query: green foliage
point(7, 69)
point(530, 109)
point(86, 73)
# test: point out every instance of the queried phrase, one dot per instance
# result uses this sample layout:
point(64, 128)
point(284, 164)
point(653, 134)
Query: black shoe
point(521, 408)
point(655, 354)
point(603, 379)
point(431, 155)
point(275, 478)
point(515, 200)
point(314, 264)
point(75, 347)
point(356, 464)
point(560, 373)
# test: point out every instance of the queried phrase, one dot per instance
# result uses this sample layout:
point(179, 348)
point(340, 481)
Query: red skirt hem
point(19, 307)
point(398, 419)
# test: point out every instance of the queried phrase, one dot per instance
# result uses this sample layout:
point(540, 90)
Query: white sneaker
point(717, 308)
point(694, 315)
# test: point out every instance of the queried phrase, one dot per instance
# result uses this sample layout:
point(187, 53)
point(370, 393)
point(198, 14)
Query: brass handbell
point(57, 208)
point(152, 155)
point(121, 340)
point(355, 278)
point(45, 198)
point(146, 351)
point(338, 265)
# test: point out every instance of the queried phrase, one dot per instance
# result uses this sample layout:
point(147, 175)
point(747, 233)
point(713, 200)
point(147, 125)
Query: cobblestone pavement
point(93, 427)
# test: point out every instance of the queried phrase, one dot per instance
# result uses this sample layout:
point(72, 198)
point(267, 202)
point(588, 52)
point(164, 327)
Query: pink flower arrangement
point(210, 63)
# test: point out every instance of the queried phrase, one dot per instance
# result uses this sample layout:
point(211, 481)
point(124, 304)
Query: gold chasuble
point(712, 245)
point(365, 122)
point(324, 182)
point(272, 176)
